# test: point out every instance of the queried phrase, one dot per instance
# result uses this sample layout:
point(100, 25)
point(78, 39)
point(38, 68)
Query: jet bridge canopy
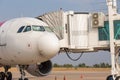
point(54, 21)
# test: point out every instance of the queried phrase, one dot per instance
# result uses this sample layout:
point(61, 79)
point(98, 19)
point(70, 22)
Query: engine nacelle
point(40, 70)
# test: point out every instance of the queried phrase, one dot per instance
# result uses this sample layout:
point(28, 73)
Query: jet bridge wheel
point(117, 78)
point(109, 77)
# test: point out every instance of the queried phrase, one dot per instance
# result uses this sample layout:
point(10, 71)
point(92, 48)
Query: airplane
point(26, 43)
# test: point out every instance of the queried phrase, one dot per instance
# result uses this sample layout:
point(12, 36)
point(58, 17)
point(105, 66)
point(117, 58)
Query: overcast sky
point(31, 8)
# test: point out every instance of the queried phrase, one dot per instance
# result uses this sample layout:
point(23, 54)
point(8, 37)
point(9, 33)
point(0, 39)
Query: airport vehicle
point(26, 43)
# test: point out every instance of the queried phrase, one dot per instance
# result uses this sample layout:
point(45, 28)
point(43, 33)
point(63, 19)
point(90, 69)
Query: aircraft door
point(2, 38)
point(2, 45)
point(2, 42)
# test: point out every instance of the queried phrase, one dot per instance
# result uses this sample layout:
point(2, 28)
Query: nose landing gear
point(6, 74)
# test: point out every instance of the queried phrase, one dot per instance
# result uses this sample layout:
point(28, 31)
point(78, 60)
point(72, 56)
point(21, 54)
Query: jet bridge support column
point(114, 50)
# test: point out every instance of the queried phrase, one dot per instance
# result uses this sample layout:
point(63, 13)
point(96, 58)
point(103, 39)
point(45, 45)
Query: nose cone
point(48, 45)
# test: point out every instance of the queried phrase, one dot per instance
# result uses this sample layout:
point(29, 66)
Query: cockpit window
point(20, 29)
point(28, 28)
point(38, 28)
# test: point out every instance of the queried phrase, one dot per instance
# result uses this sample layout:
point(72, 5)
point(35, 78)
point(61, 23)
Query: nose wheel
point(2, 75)
point(6, 74)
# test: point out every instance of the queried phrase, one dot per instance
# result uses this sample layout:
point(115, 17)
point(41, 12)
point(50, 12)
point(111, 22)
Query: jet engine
point(40, 70)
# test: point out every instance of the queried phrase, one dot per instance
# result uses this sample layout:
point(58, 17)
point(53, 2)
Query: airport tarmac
point(68, 75)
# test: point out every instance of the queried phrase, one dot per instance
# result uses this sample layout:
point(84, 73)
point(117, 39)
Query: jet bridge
point(81, 32)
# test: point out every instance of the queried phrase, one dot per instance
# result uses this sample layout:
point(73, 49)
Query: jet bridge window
point(104, 32)
point(117, 29)
point(28, 28)
point(38, 28)
point(20, 29)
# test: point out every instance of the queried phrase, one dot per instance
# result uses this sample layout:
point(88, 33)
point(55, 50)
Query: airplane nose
point(48, 45)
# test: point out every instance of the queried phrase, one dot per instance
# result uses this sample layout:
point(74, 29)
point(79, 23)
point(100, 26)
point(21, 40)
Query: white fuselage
point(26, 47)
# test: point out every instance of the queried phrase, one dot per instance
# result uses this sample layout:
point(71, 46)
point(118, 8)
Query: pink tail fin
point(1, 23)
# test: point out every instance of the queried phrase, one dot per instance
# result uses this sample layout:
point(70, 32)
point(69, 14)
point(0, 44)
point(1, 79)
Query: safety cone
point(64, 78)
point(81, 76)
point(55, 78)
